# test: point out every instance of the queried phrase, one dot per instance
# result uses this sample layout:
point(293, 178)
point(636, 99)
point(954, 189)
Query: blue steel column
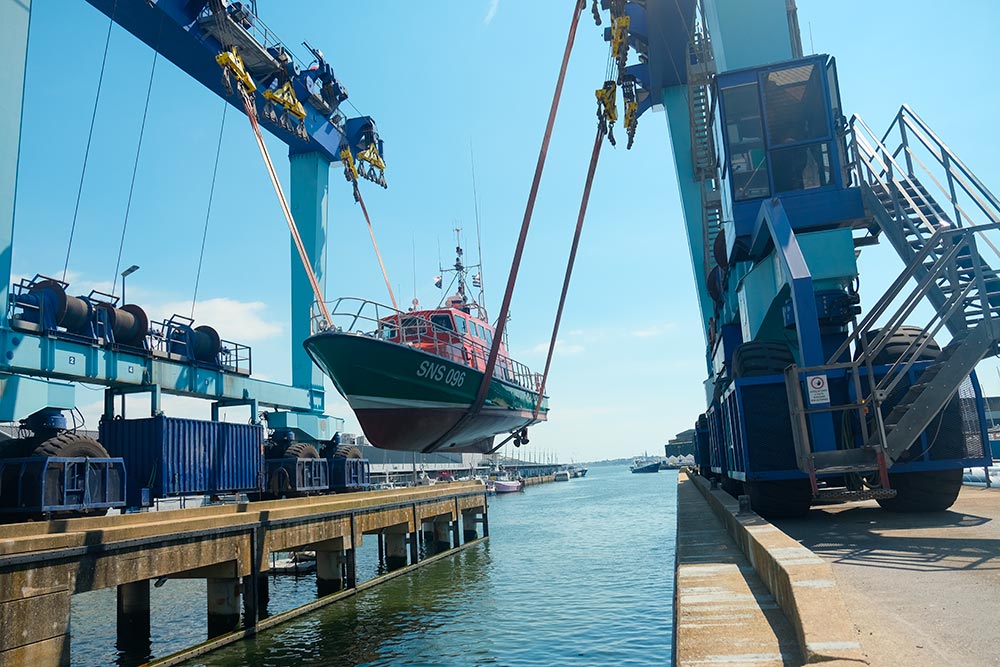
point(14, 17)
point(310, 180)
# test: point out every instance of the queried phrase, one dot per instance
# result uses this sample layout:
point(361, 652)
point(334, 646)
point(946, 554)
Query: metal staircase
point(938, 236)
point(704, 152)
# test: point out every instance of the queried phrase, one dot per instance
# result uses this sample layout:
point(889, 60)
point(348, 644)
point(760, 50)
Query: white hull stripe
point(380, 402)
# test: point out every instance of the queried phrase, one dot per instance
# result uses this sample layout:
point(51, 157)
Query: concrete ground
point(725, 615)
point(922, 589)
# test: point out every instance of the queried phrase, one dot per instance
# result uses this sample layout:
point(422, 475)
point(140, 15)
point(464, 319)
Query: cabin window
point(443, 322)
point(795, 105)
point(460, 324)
point(745, 142)
point(413, 327)
point(480, 331)
point(801, 167)
point(489, 337)
point(388, 331)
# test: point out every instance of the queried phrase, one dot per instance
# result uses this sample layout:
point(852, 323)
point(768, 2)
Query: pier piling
point(133, 617)
point(223, 605)
point(395, 547)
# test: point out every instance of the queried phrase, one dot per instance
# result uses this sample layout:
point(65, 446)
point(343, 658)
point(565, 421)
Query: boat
point(507, 485)
point(644, 466)
point(562, 476)
point(410, 377)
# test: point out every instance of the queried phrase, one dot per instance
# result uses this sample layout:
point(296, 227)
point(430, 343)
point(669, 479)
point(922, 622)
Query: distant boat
point(640, 465)
point(507, 485)
point(562, 476)
point(577, 472)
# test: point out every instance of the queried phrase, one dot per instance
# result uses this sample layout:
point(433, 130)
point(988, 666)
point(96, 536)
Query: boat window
point(460, 324)
point(413, 326)
point(480, 332)
point(443, 322)
point(387, 331)
point(489, 336)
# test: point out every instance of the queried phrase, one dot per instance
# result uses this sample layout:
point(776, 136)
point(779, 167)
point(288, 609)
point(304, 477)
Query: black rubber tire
point(761, 358)
point(71, 444)
point(301, 450)
point(928, 491)
point(719, 250)
point(347, 452)
point(780, 499)
point(714, 284)
point(897, 345)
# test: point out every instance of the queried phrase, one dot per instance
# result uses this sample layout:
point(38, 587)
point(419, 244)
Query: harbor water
point(576, 573)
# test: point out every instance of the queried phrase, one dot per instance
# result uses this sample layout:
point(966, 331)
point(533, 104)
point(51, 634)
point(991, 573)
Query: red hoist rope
point(251, 111)
point(598, 142)
point(491, 361)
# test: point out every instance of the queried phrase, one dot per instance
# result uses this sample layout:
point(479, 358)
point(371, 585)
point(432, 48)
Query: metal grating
point(971, 427)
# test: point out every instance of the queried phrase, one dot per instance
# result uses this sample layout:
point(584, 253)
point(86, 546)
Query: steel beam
point(15, 16)
point(310, 182)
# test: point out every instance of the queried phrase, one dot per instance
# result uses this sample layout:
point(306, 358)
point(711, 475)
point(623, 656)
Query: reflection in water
point(573, 574)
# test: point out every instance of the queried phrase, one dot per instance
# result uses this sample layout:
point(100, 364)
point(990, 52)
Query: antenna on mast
point(479, 239)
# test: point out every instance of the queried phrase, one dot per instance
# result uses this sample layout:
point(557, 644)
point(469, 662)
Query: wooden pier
point(43, 564)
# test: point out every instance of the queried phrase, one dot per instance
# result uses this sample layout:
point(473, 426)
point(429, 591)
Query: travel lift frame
point(785, 427)
point(37, 371)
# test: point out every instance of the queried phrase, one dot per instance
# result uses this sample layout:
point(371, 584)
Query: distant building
point(681, 444)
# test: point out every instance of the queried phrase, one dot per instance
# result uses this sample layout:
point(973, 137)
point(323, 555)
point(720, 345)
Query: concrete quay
point(43, 564)
point(850, 584)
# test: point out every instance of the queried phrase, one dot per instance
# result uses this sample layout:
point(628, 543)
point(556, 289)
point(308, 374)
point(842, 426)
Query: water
point(574, 574)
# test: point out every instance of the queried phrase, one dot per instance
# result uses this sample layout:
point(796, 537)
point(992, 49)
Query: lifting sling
point(484, 385)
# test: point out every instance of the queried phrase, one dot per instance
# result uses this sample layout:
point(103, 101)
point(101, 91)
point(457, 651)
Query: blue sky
point(439, 77)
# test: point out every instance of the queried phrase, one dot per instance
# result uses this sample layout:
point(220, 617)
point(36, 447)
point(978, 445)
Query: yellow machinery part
point(348, 160)
point(372, 157)
point(231, 61)
point(619, 35)
point(285, 96)
point(606, 98)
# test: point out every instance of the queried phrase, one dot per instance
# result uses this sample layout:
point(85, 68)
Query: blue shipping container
point(173, 457)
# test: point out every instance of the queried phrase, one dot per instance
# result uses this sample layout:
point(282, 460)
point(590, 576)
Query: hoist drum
point(71, 313)
point(129, 324)
point(205, 343)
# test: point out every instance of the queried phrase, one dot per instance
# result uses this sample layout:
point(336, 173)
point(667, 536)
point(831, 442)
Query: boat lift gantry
point(300, 106)
point(809, 398)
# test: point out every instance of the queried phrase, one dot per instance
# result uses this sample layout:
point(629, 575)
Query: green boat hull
point(407, 399)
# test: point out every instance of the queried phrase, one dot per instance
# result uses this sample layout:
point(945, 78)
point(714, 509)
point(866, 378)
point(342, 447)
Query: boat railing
point(370, 318)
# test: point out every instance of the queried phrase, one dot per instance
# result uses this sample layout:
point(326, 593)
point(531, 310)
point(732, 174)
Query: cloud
point(491, 12)
point(562, 349)
point(240, 321)
point(653, 330)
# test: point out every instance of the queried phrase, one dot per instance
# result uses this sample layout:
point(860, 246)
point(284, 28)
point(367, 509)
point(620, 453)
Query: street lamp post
point(125, 274)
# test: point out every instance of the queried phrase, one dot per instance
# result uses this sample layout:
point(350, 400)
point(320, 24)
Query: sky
point(448, 83)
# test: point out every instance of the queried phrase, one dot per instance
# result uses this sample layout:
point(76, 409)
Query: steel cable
point(208, 213)
point(90, 136)
point(135, 167)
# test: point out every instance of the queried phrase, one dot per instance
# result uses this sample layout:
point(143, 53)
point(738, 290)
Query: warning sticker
point(819, 390)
